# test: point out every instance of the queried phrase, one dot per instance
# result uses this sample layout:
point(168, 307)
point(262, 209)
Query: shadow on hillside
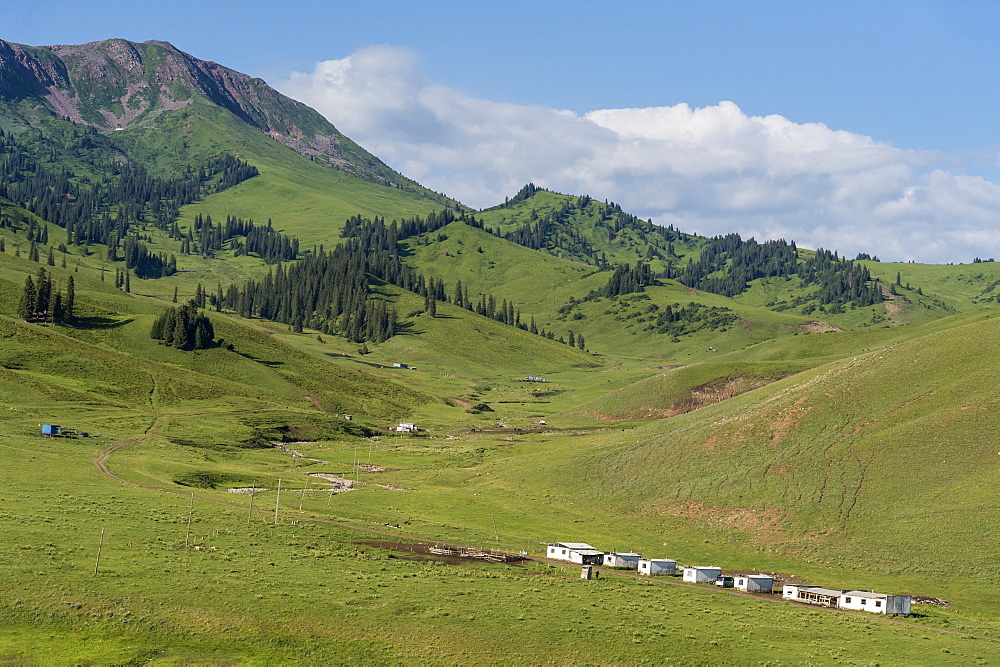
point(407, 328)
point(100, 323)
point(263, 362)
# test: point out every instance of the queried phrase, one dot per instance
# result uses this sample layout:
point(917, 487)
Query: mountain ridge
point(116, 84)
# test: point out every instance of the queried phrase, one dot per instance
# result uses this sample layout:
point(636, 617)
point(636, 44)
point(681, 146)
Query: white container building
point(655, 566)
point(877, 603)
point(575, 552)
point(615, 559)
point(699, 574)
point(754, 583)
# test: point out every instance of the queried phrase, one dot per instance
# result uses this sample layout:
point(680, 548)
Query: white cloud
point(709, 170)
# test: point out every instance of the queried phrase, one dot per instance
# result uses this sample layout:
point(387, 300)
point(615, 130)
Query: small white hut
point(754, 583)
point(877, 603)
point(700, 574)
point(628, 560)
point(655, 566)
point(575, 552)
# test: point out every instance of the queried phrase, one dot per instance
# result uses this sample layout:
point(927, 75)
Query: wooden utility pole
point(250, 513)
point(276, 501)
point(187, 537)
point(100, 546)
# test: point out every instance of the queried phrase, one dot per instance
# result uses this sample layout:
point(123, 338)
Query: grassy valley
point(575, 374)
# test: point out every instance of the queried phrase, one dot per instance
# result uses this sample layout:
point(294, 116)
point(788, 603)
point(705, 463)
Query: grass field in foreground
point(308, 592)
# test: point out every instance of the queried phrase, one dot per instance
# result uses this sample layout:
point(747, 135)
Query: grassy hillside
point(108, 360)
point(882, 461)
point(306, 199)
point(589, 231)
point(619, 326)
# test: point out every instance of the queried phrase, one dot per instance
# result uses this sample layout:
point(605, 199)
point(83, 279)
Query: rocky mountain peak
point(116, 84)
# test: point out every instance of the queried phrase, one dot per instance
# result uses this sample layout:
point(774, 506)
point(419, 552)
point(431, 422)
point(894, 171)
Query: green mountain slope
point(168, 112)
point(882, 461)
point(116, 84)
point(555, 291)
point(107, 364)
point(588, 231)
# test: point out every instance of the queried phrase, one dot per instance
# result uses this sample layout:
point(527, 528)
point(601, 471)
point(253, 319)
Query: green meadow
point(307, 590)
point(858, 459)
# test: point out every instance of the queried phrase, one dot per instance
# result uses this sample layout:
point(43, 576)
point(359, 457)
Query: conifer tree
point(58, 314)
point(204, 333)
point(69, 309)
point(26, 307)
point(184, 329)
point(43, 293)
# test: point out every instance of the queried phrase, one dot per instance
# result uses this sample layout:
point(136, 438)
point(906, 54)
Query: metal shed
point(654, 566)
point(702, 574)
point(754, 583)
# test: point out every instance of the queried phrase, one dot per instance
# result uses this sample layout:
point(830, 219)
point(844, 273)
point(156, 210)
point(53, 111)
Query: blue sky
point(921, 75)
point(920, 78)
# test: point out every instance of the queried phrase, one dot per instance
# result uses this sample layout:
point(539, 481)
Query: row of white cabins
point(584, 554)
